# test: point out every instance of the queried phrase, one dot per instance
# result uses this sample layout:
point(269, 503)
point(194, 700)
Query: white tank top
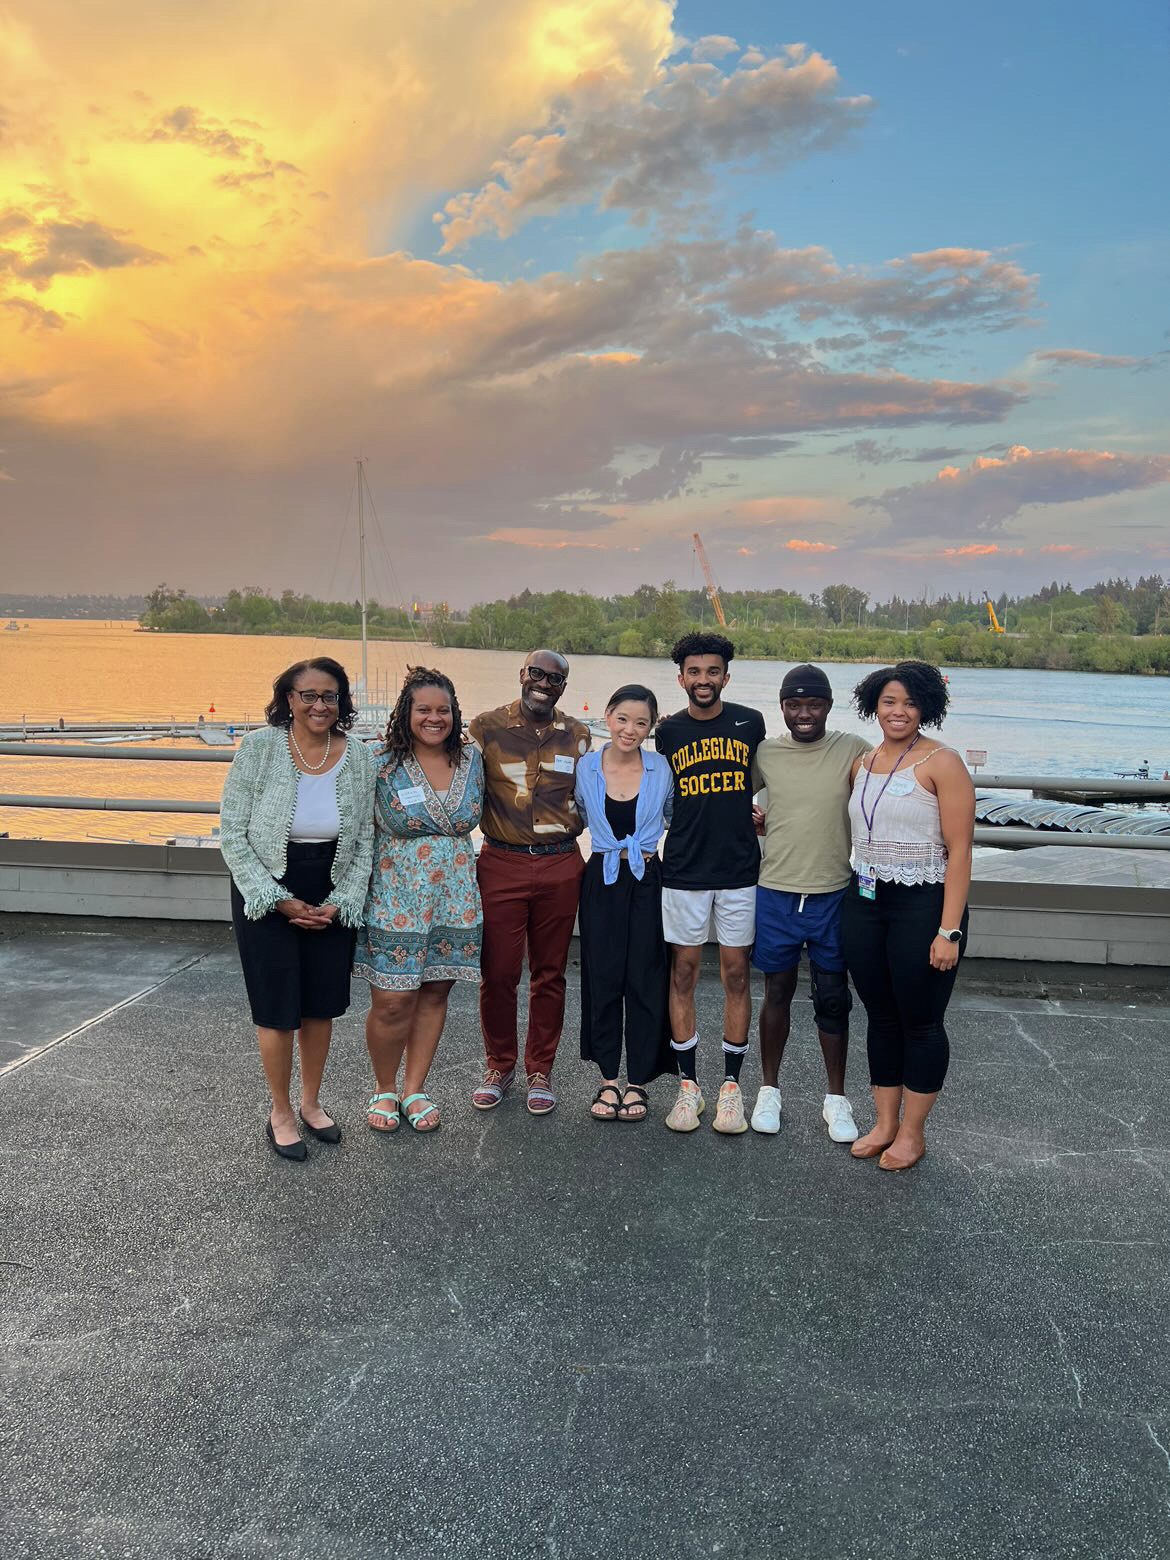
point(907, 843)
point(315, 817)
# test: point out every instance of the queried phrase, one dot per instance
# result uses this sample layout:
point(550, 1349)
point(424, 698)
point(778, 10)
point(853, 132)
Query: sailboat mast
point(361, 486)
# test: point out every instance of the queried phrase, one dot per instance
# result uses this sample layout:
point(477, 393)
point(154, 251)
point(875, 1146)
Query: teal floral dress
point(423, 918)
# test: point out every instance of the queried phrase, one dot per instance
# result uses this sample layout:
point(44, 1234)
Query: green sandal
point(419, 1115)
point(374, 1109)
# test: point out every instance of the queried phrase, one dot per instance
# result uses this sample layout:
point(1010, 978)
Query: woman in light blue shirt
point(624, 794)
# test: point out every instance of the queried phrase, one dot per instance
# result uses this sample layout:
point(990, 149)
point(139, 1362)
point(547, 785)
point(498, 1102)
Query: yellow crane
point(994, 625)
point(712, 588)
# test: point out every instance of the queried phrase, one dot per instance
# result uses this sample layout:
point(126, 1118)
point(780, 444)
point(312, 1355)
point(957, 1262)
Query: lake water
point(1070, 723)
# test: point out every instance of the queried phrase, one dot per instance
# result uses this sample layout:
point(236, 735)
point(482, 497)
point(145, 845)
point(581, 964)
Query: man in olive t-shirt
point(803, 879)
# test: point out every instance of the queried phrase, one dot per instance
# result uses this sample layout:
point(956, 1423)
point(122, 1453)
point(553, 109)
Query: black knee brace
point(832, 1000)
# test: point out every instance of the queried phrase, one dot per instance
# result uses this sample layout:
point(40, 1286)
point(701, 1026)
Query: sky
point(859, 293)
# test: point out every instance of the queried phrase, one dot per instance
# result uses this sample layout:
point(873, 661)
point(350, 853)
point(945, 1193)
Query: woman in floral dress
point(423, 921)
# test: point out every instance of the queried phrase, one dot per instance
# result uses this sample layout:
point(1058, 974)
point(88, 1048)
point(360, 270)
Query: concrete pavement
point(554, 1338)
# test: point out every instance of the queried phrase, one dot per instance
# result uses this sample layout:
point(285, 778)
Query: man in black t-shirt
point(710, 865)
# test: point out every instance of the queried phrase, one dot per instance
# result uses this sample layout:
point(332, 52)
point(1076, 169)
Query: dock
point(529, 1337)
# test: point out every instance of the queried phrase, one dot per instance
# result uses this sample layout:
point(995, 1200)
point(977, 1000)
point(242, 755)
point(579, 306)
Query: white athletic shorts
point(687, 914)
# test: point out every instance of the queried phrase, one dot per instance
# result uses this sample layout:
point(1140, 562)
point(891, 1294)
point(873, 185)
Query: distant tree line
point(29, 605)
point(253, 611)
point(1113, 626)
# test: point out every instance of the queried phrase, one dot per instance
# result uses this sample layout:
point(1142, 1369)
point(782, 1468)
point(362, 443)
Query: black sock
point(733, 1061)
point(686, 1061)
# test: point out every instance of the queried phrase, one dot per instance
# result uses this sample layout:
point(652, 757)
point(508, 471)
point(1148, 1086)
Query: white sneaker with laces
point(729, 1116)
point(766, 1115)
point(837, 1114)
point(687, 1108)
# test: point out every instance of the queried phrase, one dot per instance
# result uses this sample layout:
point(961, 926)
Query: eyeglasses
point(538, 674)
point(307, 696)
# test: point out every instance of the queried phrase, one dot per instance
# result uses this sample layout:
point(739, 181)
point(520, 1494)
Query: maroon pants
point(529, 905)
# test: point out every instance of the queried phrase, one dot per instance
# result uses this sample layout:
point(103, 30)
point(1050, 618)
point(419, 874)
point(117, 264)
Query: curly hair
point(399, 741)
point(277, 712)
point(636, 693)
point(923, 682)
point(703, 644)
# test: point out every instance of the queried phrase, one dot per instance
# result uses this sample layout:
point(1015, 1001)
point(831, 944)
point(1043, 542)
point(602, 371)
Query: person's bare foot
point(872, 1144)
point(313, 1116)
point(906, 1150)
point(634, 1107)
point(382, 1113)
point(284, 1127)
point(606, 1102)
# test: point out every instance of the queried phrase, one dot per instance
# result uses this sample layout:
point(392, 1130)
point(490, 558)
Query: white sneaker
point(687, 1108)
point(837, 1114)
point(766, 1116)
point(729, 1112)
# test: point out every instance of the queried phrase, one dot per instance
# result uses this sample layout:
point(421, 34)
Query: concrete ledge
point(1014, 917)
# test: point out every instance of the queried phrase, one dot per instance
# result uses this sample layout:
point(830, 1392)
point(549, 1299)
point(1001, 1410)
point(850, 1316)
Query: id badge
point(866, 881)
point(564, 764)
point(410, 795)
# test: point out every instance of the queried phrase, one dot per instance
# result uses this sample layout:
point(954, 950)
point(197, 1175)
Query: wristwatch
point(954, 936)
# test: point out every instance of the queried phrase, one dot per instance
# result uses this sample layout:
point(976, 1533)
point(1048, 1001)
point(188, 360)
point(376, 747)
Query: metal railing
point(998, 835)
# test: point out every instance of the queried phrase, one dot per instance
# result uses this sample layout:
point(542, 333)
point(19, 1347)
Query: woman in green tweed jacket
point(297, 833)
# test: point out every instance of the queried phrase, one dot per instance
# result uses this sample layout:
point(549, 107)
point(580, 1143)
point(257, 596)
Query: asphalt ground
point(552, 1338)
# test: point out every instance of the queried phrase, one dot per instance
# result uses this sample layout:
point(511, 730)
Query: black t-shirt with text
point(711, 842)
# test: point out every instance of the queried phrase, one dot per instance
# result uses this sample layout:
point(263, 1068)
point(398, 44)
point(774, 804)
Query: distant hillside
point(29, 606)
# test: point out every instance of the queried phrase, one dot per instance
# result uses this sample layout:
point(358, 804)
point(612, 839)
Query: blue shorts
point(786, 923)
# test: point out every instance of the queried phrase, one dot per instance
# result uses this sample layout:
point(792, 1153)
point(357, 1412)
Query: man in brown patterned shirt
point(529, 874)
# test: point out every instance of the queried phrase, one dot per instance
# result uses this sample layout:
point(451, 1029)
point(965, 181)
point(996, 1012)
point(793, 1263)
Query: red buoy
point(211, 709)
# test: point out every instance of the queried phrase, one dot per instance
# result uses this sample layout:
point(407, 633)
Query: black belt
point(556, 848)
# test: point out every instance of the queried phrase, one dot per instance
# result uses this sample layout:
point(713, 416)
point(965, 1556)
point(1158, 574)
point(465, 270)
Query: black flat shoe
point(329, 1134)
point(295, 1150)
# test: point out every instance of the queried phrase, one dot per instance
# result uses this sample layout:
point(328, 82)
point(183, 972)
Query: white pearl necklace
point(304, 761)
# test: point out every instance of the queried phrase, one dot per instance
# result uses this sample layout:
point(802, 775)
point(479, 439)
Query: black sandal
point(611, 1108)
point(626, 1106)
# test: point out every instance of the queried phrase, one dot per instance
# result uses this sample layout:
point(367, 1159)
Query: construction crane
point(994, 625)
point(712, 588)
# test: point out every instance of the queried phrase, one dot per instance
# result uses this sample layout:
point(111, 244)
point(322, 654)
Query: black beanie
point(806, 682)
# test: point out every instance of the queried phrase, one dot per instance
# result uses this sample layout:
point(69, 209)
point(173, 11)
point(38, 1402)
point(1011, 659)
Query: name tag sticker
point(411, 795)
point(564, 764)
point(901, 785)
point(866, 881)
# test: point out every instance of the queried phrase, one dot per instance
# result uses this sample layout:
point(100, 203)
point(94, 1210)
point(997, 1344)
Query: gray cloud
point(1074, 357)
point(940, 287)
point(872, 452)
point(642, 154)
point(65, 247)
point(33, 316)
point(992, 491)
point(220, 141)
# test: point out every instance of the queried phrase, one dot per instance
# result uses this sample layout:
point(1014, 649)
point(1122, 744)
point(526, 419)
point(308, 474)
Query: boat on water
point(13, 627)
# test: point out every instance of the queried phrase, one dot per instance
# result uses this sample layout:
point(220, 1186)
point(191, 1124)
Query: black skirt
point(292, 974)
point(625, 972)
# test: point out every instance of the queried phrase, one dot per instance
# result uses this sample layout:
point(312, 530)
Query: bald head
point(542, 681)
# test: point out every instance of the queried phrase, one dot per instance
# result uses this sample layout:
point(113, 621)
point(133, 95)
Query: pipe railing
point(1011, 838)
point(109, 803)
point(1131, 790)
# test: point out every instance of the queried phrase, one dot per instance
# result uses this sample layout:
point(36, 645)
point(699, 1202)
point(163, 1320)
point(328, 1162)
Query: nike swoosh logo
point(743, 723)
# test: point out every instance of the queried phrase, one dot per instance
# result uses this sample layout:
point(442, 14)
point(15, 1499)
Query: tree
point(844, 603)
point(666, 621)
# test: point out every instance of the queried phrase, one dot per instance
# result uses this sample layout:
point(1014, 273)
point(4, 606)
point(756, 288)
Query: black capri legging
point(887, 949)
point(292, 974)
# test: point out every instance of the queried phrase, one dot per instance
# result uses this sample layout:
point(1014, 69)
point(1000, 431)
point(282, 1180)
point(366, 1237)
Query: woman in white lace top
point(904, 917)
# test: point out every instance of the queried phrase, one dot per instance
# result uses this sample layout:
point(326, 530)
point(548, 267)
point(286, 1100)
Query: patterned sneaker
point(766, 1116)
point(493, 1088)
point(729, 1112)
point(837, 1114)
point(541, 1098)
point(687, 1108)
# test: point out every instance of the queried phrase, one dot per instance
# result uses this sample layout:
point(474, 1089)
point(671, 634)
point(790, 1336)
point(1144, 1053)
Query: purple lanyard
point(872, 814)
